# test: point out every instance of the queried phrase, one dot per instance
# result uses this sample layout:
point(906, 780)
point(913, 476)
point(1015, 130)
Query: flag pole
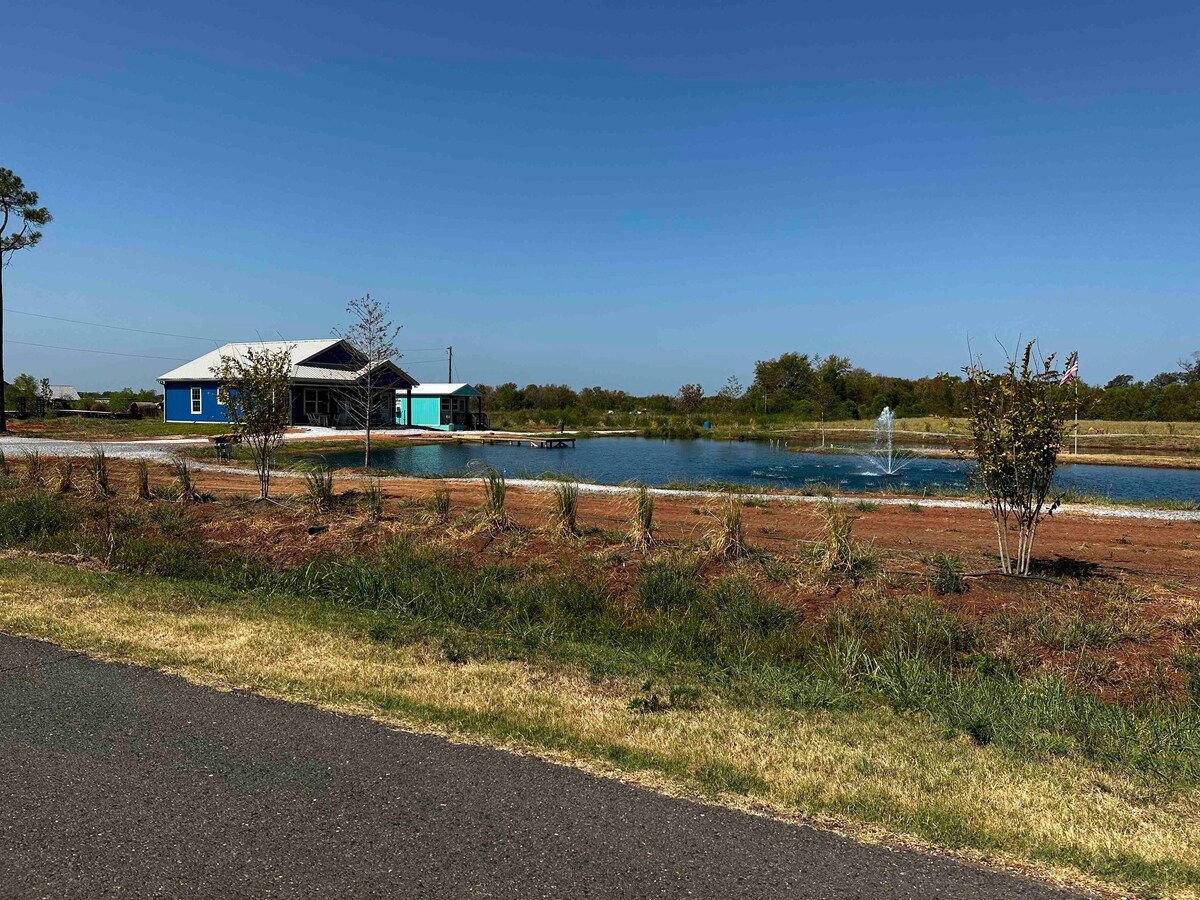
point(1076, 416)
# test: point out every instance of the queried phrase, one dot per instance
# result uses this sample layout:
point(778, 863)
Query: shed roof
point(445, 389)
point(63, 392)
point(201, 368)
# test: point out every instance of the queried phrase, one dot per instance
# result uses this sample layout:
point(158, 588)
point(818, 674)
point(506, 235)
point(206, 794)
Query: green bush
point(25, 518)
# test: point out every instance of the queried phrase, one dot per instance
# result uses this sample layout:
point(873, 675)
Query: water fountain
point(883, 456)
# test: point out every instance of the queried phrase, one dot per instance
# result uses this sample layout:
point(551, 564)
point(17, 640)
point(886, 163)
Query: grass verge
point(863, 765)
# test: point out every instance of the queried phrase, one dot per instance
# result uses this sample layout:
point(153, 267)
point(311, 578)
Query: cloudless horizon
point(629, 194)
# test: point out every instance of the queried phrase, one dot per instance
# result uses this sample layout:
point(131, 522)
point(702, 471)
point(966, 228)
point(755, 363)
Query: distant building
point(323, 372)
point(62, 395)
point(446, 407)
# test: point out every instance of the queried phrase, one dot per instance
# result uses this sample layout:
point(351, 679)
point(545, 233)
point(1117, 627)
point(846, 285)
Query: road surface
point(119, 781)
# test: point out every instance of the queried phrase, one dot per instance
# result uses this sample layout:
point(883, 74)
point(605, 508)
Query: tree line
point(811, 387)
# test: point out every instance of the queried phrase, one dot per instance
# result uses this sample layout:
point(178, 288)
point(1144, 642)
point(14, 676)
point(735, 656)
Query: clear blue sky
point(623, 193)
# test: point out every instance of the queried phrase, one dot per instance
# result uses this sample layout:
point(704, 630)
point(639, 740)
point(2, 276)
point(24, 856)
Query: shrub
point(566, 506)
point(670, 586)
point(34, 516)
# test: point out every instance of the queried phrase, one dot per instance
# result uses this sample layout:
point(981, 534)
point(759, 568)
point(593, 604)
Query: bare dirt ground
point(1136, 580)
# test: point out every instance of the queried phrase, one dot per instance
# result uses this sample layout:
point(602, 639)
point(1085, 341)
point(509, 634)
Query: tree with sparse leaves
point(729, 396)
point(689, 398)
point(1018, 424)
point(254, 387)
point(17, 205)
point(373, 334)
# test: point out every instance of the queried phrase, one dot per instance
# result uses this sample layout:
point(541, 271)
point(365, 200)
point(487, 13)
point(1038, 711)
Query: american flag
point(1072, 371)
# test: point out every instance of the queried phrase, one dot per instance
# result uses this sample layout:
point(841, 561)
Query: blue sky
point(620, 193)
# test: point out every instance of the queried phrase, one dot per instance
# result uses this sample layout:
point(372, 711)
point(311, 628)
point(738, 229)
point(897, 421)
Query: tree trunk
point(3, 413)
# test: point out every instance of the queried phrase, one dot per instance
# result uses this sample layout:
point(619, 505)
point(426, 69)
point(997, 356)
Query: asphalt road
point(119, 781)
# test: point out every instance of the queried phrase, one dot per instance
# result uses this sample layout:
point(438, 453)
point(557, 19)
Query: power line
point(85, 350)
point(116, 327)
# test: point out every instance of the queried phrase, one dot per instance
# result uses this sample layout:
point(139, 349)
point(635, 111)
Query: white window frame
point(197, 399)
point(313, 400)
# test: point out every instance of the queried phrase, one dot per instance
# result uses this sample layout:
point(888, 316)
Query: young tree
point(689, 398)
point(16, 205)
point(254, 388)
point(729, 396)
point(1017, 419)
point(372, 333)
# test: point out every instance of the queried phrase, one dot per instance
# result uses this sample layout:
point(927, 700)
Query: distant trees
point(811, 388)
point(17, 206)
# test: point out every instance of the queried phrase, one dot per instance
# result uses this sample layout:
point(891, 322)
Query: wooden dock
point(539, 443)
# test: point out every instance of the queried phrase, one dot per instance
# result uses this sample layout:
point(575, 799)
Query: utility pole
point(449, 365)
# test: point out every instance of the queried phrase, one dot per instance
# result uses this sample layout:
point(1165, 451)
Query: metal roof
point(63, 392)
point(445, 389)
point(201, 368)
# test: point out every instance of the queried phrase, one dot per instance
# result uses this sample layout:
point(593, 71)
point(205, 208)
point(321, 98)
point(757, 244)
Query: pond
point(616, 460)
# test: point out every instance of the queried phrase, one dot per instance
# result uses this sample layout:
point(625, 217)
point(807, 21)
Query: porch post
point(408, 405)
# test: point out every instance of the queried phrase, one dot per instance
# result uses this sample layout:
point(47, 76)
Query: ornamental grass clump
point(495, 490)
point(318, 488)
point(563, 517)
point(66, 475)
point(835, 551)
point(142, 481)
point(372, 499)
point(35, 469)
point(98, 472)
point(642, 533)
point(439, 505)
point(185, 485)
point(727, 537)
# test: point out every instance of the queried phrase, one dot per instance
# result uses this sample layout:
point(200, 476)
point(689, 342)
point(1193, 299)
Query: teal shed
point(446, 407)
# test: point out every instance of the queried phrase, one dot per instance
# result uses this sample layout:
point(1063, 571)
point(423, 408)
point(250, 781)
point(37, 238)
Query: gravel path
point(163, 451)
point(121, 781)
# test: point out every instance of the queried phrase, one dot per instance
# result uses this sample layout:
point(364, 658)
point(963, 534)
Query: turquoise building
point(446, 407)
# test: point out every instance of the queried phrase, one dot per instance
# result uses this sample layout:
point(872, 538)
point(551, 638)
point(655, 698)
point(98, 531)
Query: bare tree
point(254, 388)
point(373, 334)
point(729, 396)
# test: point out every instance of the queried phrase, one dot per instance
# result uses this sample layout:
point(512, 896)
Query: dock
point(539, 443)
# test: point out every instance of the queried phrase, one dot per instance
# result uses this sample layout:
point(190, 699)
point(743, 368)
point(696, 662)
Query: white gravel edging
point(143, 450)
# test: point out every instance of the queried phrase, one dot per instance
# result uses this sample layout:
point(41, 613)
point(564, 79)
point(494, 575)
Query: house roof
point(201, 368)
point(445, 389)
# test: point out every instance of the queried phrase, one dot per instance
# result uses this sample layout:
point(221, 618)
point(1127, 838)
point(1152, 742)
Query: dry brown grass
point(872, 772)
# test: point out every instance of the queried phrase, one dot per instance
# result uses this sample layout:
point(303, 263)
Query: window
point(316, 402)
point(196, 402)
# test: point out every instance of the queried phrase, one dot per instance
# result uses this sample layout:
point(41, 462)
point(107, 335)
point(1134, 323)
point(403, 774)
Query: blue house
point(325, 378)
point(446, 407)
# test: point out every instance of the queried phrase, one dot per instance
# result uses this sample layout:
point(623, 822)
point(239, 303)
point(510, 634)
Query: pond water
point(615, 460)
